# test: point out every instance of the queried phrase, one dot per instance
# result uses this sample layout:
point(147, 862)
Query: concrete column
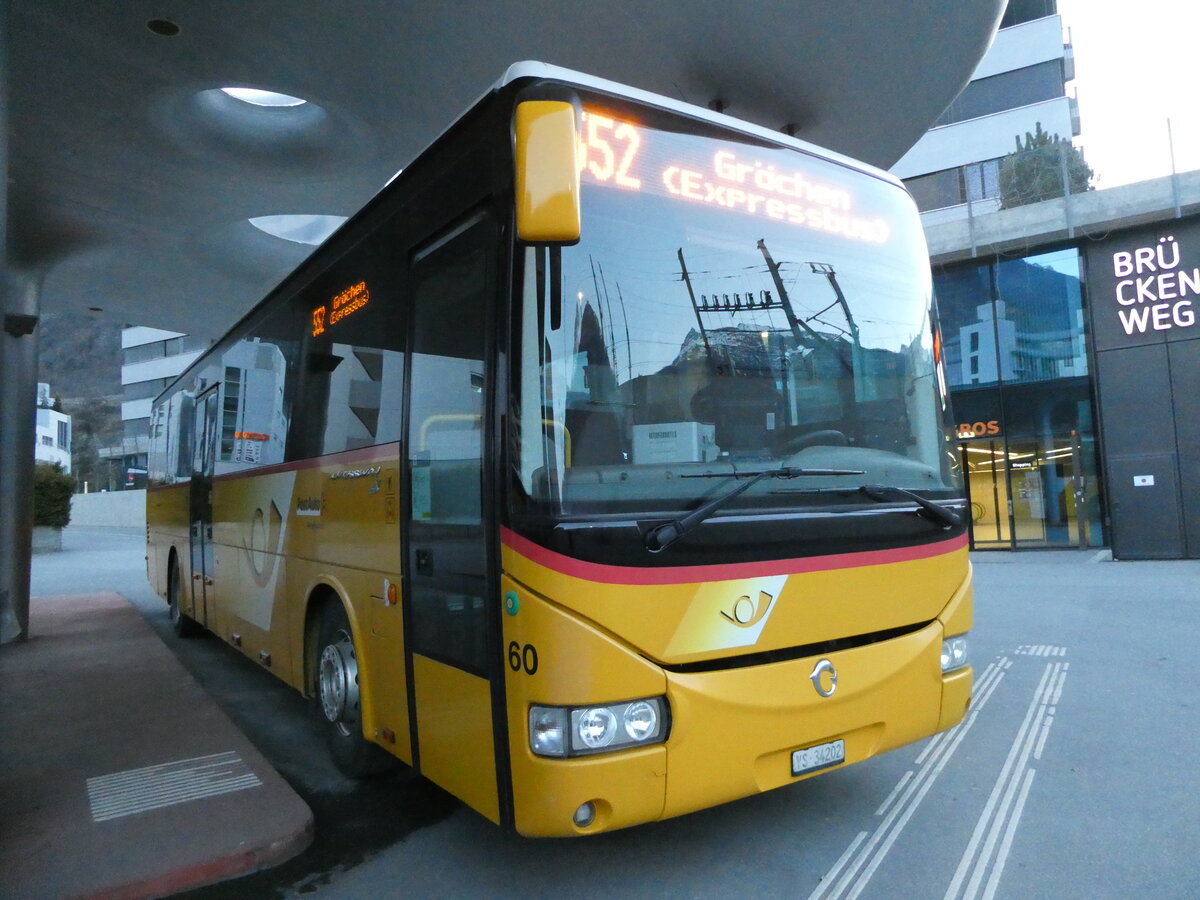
point(18, 399)
point(18, 421)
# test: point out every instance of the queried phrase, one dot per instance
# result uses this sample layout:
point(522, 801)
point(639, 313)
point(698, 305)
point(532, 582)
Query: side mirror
point(547, 172)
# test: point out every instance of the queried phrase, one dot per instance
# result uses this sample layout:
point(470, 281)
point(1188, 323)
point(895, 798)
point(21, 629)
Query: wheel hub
point(338, 682)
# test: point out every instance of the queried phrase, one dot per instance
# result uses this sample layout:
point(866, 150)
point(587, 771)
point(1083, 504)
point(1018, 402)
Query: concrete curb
point(119, 776)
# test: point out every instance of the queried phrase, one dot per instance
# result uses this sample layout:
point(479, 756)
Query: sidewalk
point(119, 776)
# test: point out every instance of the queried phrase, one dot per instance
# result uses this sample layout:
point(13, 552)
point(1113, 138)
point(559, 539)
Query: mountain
point(79, 356)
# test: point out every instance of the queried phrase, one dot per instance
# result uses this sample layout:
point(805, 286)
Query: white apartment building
point(52, 435)
point(1019, 84)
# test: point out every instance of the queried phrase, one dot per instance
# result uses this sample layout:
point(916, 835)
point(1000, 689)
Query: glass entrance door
point(1047, 487)
point(987, 489)
point(1031, 492)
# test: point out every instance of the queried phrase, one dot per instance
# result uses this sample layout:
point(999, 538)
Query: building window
point(144, 352)
point(982, 180)
point(144, 390)
point(1043, 300)
point(1008, 90)
point(974, 342)
point(937, 189)
point(63, 435)
point(1019, 11)
point(47, 441)
point(950, 187)
point(229, 413)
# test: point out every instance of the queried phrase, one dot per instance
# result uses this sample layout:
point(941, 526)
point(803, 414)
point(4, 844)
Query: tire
point(338, 702)
point(182, 624)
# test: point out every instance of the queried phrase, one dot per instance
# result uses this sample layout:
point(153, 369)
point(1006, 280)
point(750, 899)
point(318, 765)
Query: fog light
point(954, 653)
point(585, 815)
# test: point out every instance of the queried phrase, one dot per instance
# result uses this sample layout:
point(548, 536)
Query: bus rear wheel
point(338, 699)
point(182, 624)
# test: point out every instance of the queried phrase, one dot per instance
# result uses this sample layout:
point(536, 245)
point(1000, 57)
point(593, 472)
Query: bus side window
point(354, 358)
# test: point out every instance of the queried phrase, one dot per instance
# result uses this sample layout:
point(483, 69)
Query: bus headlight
point(641, 720)
point(595, 727)
point(954, 653)
point(580, 731)
point(548, 731)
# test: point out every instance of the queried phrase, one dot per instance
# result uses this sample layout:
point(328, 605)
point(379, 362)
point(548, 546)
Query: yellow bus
point(599, 469)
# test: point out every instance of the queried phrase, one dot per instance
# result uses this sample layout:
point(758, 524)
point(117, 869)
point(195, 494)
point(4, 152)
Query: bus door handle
point(424, 559)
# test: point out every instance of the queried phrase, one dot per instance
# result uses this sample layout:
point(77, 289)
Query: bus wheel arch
point(333, 679)
point(182, 624)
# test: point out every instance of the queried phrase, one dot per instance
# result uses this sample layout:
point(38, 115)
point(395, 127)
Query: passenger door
point(204, 451)
point(450, 581)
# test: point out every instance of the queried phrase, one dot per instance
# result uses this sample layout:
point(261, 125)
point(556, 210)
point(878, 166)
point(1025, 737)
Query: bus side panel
point(554, 658)
point(458, 752)
point(345, 510)
point(167, 526)
point(379, 637)
point(959, 615)
point(250, 526)
point(344, 532)
point(958, 618)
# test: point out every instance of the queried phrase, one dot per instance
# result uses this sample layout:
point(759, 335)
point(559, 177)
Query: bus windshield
point(732, 307)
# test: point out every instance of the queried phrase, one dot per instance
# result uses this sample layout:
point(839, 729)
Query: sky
point(1136, 67)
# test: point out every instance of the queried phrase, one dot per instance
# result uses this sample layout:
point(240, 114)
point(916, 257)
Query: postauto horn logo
point(745, 612)
point(726, 614)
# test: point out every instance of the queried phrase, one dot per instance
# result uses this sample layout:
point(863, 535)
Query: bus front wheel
point(182, 624)
point(339, 701)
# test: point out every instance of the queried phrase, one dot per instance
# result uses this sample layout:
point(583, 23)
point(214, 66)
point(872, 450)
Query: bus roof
point(533, 69)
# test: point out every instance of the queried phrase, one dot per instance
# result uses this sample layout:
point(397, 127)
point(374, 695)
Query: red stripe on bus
point(607, 574)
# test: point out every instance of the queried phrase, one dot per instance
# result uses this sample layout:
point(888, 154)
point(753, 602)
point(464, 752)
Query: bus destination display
point(737, 177)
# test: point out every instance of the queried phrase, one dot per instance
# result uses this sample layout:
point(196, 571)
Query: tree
point(95, 426)
point(1034, 171)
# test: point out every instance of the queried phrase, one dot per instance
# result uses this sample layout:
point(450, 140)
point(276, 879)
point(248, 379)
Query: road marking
point(1002, 812)
point(153, 787)
point(863, 858)
point(895, 793)
point(1040, 650)
point(841, 861)
point(1006, 844)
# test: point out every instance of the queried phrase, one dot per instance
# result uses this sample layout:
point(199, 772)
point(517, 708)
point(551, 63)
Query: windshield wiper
point(928, 509)
point(663, 535)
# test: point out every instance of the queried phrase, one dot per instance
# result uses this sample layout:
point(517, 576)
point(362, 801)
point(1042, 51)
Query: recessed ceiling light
point(301, 229)
point(262, 98)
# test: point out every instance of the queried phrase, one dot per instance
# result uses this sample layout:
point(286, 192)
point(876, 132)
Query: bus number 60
point(522, 658)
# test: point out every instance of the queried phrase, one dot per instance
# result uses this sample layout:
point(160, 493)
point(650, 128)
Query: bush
point(52, 490)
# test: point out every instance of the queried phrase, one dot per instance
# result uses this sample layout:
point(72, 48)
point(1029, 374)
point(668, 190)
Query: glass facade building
point(1015, 353)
